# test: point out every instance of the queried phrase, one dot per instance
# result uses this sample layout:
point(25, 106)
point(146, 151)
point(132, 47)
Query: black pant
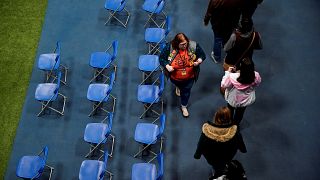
point(237, 113)
point(185, 89)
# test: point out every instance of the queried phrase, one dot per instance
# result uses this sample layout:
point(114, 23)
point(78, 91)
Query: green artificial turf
point(20, 28)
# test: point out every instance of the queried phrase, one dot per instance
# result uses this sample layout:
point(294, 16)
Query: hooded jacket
point(219, 143)
point(237, 94)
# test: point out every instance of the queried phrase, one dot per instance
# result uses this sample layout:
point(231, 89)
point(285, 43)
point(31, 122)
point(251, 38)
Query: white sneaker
point(213, 58)
point(177, 91)
point(185, 112)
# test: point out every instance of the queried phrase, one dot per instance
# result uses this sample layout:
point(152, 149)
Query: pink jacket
point(237, 94)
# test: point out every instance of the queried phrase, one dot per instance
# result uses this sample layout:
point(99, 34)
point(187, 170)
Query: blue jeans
point(185, 89)
point(217, 45)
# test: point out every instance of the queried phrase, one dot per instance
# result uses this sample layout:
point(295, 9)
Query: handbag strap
point(254, 35)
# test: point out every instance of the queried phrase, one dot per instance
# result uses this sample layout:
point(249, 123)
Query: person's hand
point(196, 63)
point(232, 69)
point(169, 68)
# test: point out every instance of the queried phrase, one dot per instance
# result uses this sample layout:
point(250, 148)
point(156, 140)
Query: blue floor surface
point(280, 129)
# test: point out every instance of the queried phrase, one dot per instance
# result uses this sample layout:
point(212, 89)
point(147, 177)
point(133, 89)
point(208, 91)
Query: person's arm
point(201, 56)
point(226, 81)
point(208, 14)
point(199, 150)
point(230, 42)
point(258, 42)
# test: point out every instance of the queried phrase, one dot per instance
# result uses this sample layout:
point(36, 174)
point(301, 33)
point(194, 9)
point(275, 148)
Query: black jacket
point(219, 144)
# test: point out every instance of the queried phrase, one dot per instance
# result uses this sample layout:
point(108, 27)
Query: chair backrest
point(161, 79)
point(160, 168)
point(58, 83)
point(115, 44)
point(44, 155)
point(57, 51)
point(105, 160)
point(110, 118)
point(162, 125)
point(112, 79)
point(168, 25)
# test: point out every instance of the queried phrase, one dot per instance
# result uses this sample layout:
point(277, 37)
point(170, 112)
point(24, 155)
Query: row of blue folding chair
point(97, 134)
point(154, 8)
point(100, 92)
point(48, 92)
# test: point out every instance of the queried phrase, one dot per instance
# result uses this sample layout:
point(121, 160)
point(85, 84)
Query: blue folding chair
point(154, 37)
point(100, 61)
point(148, 64)
point(154, 9)
point(148, 134)
point(116, 7)
point(32, 167)
point(46, 93)
point(99, 93)
point(148, 171)
point(150, 94)
point(51, 63)
point(94, 169)
point(97, 134)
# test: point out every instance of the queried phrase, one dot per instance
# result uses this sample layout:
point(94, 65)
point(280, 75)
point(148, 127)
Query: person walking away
point(239, 88)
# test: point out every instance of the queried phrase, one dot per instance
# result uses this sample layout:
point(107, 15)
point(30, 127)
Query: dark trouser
point(185, 89)
point(219, 170)
point(237, 113)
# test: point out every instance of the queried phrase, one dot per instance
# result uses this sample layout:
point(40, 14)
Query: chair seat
point(152, 6)
point(47, 61)
point(100, 59)
point(113, 5)
point(91, 169)
point(148, 93)
point(146, 133)
point(29, 166)
point(96, 132)
point(45, 91)
point(144, 171)
point(149, 62)
point(97, 92)
point(154, 35)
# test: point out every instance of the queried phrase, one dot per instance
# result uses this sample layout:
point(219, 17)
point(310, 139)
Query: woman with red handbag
point(181, 59)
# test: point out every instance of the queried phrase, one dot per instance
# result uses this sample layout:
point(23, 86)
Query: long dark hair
point(247, 74)
point(178, 39)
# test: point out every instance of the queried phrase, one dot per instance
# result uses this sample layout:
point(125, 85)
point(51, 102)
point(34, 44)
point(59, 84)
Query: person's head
point(180, 41)
point(247, 75)
point(222, 116)
point(246, 25)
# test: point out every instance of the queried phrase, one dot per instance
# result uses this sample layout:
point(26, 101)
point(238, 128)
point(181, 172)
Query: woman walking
point(181, 59)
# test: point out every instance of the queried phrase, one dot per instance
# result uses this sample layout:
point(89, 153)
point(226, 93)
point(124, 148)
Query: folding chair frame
point(50, 167)
point(100, 105)
point(112, 14)
point(148, 107)
point(46, 104)
point(145, 146)
point(153, 20)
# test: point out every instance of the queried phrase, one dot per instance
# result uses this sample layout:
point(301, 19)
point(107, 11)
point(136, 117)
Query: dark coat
point(219, 144)
point(165, 54)
point(224, 16)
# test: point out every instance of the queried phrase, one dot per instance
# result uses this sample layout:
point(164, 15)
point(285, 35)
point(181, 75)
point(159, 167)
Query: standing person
point(241, 44)
point(224, 16)
point(239, 88)
point(181, 58)
point(219, 141)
